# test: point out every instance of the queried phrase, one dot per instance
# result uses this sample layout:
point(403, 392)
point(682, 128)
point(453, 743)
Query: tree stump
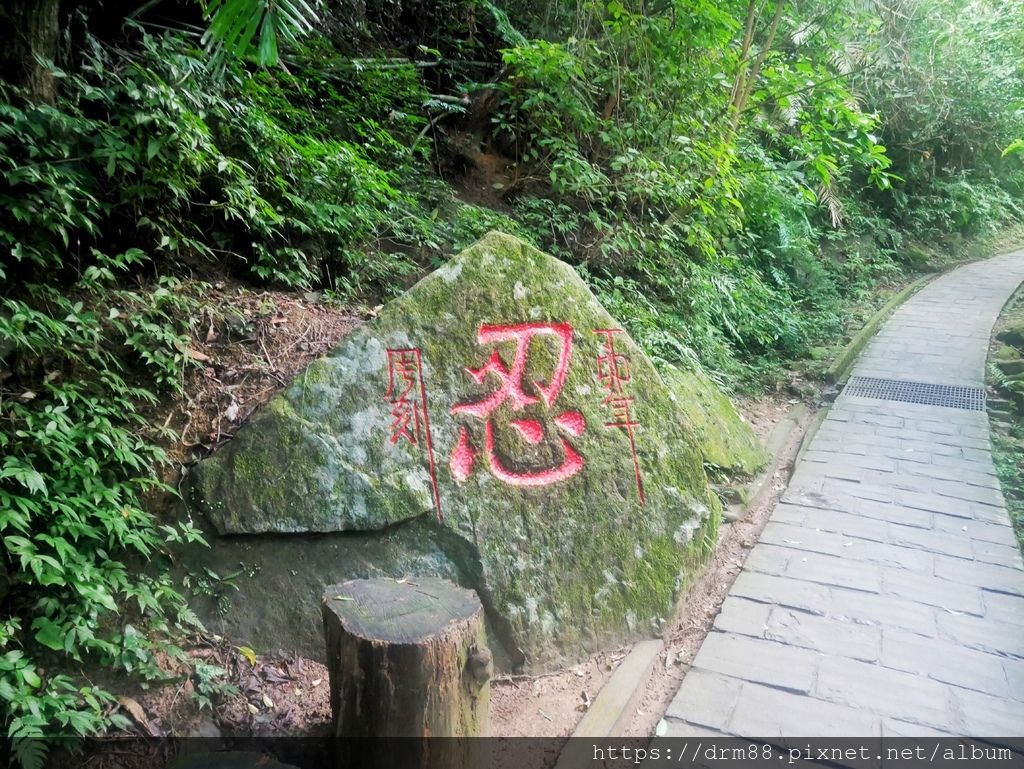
point(407, 659)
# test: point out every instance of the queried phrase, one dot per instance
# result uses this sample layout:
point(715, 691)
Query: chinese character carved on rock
point(513, 387)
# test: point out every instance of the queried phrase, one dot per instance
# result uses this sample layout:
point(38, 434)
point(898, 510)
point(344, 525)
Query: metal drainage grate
point(951, 396)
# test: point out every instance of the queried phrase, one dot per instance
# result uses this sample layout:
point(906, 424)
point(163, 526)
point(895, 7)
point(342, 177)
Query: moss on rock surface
point(579, 486)
point(725, 440)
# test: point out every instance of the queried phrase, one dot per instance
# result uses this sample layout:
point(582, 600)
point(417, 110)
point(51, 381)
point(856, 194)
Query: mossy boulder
point(1011, 368)
point(498, 400)
point(1012, 331)
point(725, 440)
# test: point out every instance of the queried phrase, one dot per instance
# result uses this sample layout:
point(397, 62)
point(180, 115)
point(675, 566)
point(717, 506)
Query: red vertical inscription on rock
point(614, 373)
point(407, 395)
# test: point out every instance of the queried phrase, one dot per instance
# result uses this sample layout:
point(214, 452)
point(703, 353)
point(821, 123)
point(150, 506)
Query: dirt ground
point(243, 357)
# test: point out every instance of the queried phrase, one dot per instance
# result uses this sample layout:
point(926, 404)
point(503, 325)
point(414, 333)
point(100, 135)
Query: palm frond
point(255, 29)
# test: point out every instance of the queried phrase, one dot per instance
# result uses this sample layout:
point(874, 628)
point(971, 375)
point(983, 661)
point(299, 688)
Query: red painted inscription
point(407, 395)
point(514, 388)
point(614, 373)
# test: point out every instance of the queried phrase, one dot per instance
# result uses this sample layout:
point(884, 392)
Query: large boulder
point(726, 441)
point(500, 401)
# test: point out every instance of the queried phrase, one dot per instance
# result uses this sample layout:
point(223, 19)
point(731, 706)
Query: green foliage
point(740, 180)
point(245, 28)
point(949, 80)
point(209, 685)
point(635, 168)
point(145, 165)
point(77, 462)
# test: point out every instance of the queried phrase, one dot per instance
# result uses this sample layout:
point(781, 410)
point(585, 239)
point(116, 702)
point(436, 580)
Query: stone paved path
point(886, 595)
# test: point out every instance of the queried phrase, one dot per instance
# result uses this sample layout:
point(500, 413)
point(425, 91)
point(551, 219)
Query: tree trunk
point(407, 660)
point(33, 30)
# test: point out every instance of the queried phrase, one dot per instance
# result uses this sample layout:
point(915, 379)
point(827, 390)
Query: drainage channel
point(950, 396)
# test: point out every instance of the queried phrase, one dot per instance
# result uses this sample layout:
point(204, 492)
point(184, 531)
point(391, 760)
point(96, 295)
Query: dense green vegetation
point(1006, 409)
point(728, 176)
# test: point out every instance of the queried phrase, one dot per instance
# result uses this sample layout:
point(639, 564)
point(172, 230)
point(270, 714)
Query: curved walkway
point(886, 594)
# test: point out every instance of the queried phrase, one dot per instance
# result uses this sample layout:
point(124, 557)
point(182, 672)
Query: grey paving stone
point(931, 540)
point(677, 728)
point(998, 555)
point(1015, 678)
point(934, 503)
point(739, 615)
point(981, 633)
point(986, 514)
point(784, 513)
point(886, 692)
point(706, 699)
point(978, 461)
point(986, 575)
point(766, 712)
point(858, 448)
point(891, 513)
point(986, 716)
point(892, 727)
point(977, 478)
point(828, 636)
point(1001, 608)
point(977, 455)
point(951, 488)
point(964, 442)
point(782, 591)
point(928, 470)
point(862, 461)
point(932, 426)
point(850, 524)
point(886, 420)
point(835, 571)
point(872, 492)
point(848, 547)
point(761, 661)
point(977, 531)
point(909, 455)
point(927, 589)
point(948, 663)
point(838, 471)
point(768, 560)
point(932, 449)
point(883, 611)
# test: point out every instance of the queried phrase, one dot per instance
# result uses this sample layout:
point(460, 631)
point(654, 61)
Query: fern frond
point(828, 198)
point(30, 752)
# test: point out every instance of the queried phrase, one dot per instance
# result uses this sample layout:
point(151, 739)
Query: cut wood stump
point(407, 659)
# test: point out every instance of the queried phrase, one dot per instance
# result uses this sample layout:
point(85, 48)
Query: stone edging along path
point(886, 594)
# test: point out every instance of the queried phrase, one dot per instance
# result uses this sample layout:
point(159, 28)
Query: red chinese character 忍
point(512, 384)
